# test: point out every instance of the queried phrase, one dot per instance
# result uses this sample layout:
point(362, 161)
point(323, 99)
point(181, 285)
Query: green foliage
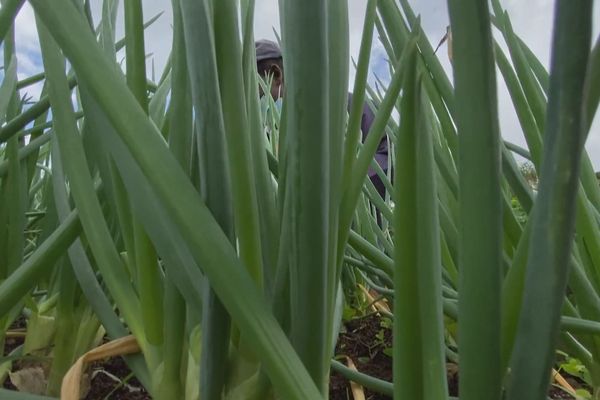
point(231, 240)
point(575, 367)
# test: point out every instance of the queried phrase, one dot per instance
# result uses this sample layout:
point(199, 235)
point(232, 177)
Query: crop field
point(185, 234)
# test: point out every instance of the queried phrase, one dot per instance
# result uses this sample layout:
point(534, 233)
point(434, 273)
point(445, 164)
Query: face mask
point(279, 104)
point(265, 104)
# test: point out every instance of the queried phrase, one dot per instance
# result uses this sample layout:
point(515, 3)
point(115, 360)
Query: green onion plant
point(228, 237)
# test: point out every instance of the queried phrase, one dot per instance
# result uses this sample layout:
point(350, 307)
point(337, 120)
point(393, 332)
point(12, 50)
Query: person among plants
point(269, 64)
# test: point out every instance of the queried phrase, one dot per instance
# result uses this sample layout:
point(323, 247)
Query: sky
point(532, 21)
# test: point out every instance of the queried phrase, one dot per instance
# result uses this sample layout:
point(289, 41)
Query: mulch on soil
point(107, 377)
point(11, 343)
point(365, 340)
point(361, 340)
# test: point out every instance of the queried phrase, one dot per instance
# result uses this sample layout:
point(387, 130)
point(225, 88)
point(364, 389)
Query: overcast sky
point(532, 21)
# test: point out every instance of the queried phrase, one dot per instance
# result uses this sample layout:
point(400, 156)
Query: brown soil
point(361, 341)
point(102, 384)
point(11, 343)
point(365, 340)
point(558, 394)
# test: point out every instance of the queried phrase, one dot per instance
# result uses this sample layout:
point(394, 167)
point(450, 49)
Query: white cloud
point(28, 62)
point(25, 29)
point(27, 49)
point(266, 19)
point(531, 21)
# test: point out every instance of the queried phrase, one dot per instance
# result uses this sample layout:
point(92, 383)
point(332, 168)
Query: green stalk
point(554, 214)
point(431, 62)
point(8, 13)
point(338, 49)
point(588, 305)
point(243, 189)
point(358, 95)
point(419, 359)
point(15, 287)
point(372, 253)
point(214, 180)
point(108, 27)
point(307, 176)
point(516, 181)
point(446, 165)
point(531, 88)
point(435, 82)
point(579, 325)
point(374, 384)
point(534, 100)
point(66, 325)
point(63, 353)
point(265, 191)
point(14, 395)
point(86, 276)
point(512, 295)
point(180, 110)
point(172, 383)
point(280, 303)
point(588, 230)
point(115, 186)
point(13, 200)
point(480, 200)
point(408, 361)
point(14, 125)
point(97, 126)
point(75, 163)
point(592, 99)
point(180, 144)
point(351, 141)
point(82, 267)
point(429, 259)
point(134, 51)
point(149, 276)
point(12, 188)
point(365, 156)
point(30, 163)
point(31, 148)
point(12, 212)
point(19, 122)
point(363, 220)
point(7, 89)
point(538, 68)
point(228, 52)
point(522, 107)
point(31, 80)
point(592, 85)
point(376, 200)
point(184, 270)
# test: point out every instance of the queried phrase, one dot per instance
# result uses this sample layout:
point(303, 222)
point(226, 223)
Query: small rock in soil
point(103, 382)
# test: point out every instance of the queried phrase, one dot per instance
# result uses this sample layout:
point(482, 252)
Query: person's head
point(269, 64)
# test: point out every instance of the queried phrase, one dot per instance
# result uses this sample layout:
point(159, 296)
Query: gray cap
point(266, 49)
